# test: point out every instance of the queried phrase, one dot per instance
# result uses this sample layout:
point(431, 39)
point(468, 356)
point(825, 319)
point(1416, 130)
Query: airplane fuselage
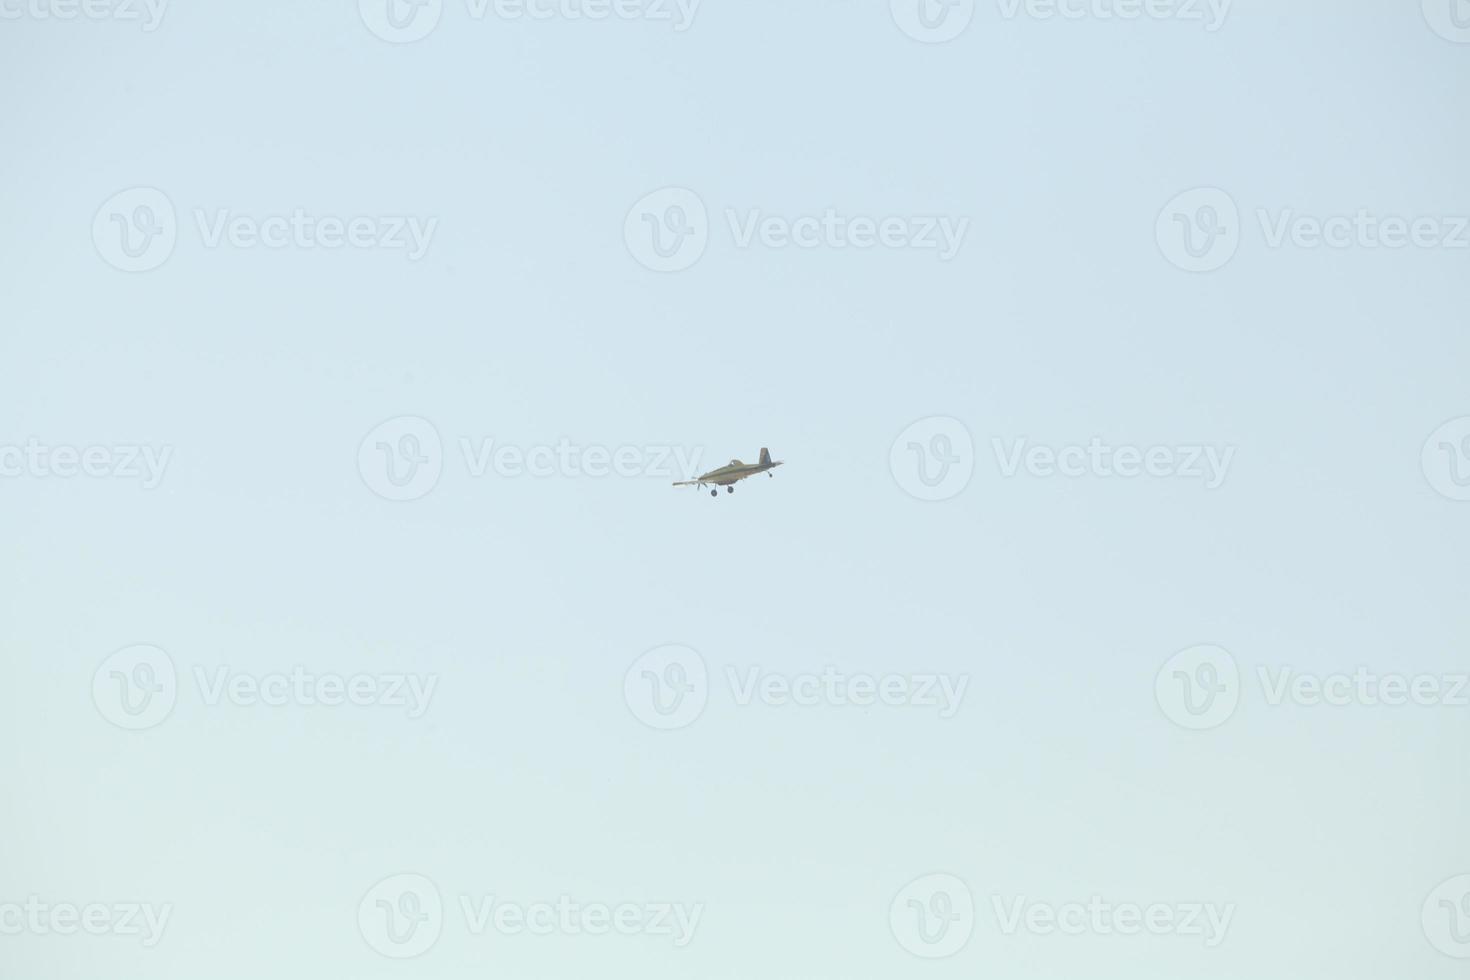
point(733, 472)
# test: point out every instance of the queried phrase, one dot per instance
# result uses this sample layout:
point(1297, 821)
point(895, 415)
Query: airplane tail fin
point(765, 457)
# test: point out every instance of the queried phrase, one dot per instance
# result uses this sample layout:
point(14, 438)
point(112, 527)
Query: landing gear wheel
point(714, 493)
point(729, 489)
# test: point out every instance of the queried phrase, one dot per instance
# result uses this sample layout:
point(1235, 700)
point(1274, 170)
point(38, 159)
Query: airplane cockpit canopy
point(736, 462)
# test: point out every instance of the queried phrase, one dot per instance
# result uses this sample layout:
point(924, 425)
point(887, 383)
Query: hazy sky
point(1106, 619)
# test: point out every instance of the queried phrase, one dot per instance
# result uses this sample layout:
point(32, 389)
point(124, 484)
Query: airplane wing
point(688, 483)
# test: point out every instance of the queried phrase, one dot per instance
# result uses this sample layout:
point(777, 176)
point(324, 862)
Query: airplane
point(727, 476)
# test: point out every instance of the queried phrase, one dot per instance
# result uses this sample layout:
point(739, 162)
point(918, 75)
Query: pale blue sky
point(529, 321)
